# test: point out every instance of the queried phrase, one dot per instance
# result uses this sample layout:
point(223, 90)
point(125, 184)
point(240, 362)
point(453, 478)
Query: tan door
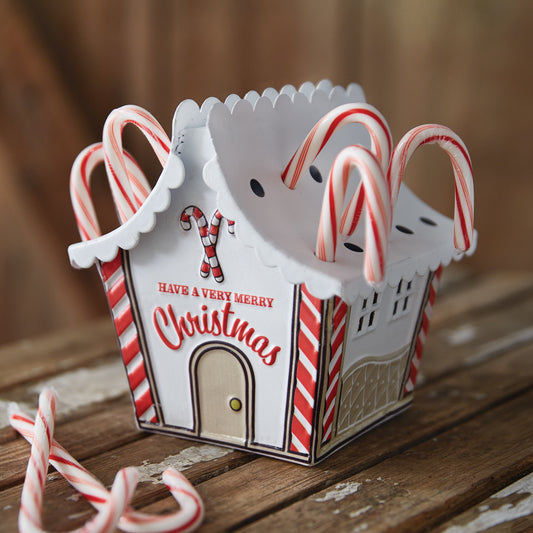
point(222, 396)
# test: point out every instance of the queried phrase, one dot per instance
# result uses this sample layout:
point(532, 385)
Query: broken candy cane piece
point(30, 520)
point(187, 518)
point(125, 200)
point(318, 137)
point(80, 191)
point(462, 169)
point(376, 196)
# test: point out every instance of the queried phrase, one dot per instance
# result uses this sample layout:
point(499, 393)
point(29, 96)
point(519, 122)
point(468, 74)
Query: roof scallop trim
point(188, 115)
point(126, 236)
point(279, 120)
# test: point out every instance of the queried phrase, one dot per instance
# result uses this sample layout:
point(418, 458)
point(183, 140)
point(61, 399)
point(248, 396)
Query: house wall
point(389, 331)
point(165, 271)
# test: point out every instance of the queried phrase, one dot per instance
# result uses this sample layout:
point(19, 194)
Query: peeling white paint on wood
point(359, 512)
point(491, 516)
point(185, 459)
point(85, 386)
point(340, 492)
point(503, 344)
point(461, 335)
point(75, 389)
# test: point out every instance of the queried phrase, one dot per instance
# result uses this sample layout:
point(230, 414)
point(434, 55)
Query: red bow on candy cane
point(112, 506)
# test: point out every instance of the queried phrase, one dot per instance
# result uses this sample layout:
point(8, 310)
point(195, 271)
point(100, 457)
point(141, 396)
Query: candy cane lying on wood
point(462, 169)
point(40, 435)
point(30, 520)
point(317, 138)
point(80, 191)
point(125, 200)
point(378, 213)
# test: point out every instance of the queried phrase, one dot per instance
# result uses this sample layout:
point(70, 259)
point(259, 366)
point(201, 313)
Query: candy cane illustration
point(214, 229)
point(321, 133)
point(113, 507)
point(462, 170)
point(378, 214)
point(208, 236)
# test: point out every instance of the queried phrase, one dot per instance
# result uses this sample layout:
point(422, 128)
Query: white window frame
point(367, 317)
point(402, 301)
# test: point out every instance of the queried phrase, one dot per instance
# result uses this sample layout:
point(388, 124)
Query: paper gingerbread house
point(232, 331)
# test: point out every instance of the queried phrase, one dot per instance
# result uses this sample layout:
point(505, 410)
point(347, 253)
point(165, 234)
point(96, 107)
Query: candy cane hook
point(188, 518)
point(321, 133)
point(462, 170)
point(125, 200)
point(80, 191)
point(378, 214)
point(214, 228)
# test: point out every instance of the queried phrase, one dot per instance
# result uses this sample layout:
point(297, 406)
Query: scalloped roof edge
point(191, 114)
point(126, 236)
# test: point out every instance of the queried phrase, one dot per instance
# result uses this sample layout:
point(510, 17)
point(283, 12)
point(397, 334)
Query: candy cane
point(125, 200)
point(214, 228)
point(378, 214)
point(188, 518)
point(30, 520)
point(210, 260)
point(317, 138)
point(462, 169)
point(80, 192)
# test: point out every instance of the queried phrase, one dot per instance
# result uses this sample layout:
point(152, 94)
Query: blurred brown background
point(64, 65)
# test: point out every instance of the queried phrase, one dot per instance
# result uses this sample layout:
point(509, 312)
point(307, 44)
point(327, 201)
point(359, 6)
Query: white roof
point(254, 138)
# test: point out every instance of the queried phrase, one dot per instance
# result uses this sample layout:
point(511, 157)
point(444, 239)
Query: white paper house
point(277, 352)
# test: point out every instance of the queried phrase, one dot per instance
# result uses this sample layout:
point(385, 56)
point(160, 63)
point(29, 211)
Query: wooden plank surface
point(459, 459)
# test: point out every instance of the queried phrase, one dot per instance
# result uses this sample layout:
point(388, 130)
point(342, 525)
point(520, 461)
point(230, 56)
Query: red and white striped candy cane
point(462, 169)
point(378, 213)
point(321, 133)
point(188, 518)
point(125, 200)
point(80, 191)
point(209, 240)
point(214, 228)
point(30, 520)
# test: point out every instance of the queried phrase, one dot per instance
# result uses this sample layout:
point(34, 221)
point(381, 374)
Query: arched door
point(222, 393)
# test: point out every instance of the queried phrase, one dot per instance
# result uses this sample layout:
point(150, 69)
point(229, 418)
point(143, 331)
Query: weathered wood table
point(460, 459)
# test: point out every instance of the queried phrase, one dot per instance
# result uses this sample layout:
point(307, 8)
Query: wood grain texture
point(466, 437)
point(462, 63)
point(417, 488)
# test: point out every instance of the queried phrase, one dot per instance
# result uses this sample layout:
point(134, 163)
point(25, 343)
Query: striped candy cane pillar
point(306, 371)
point(337, 342)
point(421, 339)
point(119, 302)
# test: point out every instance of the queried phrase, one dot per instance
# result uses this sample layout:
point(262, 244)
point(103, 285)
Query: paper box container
point(262, 346)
